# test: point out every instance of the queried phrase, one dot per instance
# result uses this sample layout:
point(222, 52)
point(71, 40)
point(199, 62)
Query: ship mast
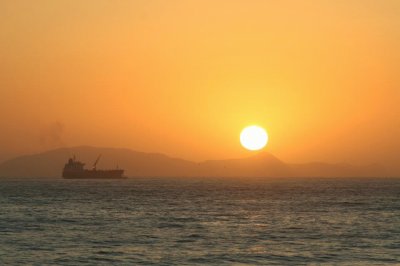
point(95, 163)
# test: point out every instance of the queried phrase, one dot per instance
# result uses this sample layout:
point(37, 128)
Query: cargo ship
point(74, 169)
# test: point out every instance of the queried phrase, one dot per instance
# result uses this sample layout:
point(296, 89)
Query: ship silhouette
point(74, 169)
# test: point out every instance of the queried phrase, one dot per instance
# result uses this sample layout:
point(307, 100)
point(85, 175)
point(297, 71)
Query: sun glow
point(253, 138)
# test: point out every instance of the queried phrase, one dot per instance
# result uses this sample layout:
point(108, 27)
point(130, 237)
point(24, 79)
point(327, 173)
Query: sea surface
point(200, 222)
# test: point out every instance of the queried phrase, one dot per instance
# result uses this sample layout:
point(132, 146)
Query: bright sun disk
point(253, 138)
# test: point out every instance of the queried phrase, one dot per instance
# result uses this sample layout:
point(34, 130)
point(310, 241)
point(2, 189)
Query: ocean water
point(189, 222)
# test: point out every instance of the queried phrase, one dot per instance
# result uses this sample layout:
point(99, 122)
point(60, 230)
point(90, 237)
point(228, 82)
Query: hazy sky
point(184, 77)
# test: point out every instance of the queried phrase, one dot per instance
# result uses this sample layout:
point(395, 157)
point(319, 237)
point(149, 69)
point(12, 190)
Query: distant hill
point(140, 164)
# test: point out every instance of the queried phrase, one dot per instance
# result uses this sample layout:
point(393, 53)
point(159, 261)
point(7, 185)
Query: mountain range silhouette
point(140, 164)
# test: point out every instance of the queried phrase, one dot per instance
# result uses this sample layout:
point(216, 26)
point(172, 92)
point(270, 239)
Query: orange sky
point(184, 77)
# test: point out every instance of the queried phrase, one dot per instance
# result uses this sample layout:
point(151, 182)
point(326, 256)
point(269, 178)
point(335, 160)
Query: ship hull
point(94, 174)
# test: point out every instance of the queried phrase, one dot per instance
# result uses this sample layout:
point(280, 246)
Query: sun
point(253, 138)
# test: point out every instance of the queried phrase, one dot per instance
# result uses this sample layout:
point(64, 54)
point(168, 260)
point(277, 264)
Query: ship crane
point(95, 163)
